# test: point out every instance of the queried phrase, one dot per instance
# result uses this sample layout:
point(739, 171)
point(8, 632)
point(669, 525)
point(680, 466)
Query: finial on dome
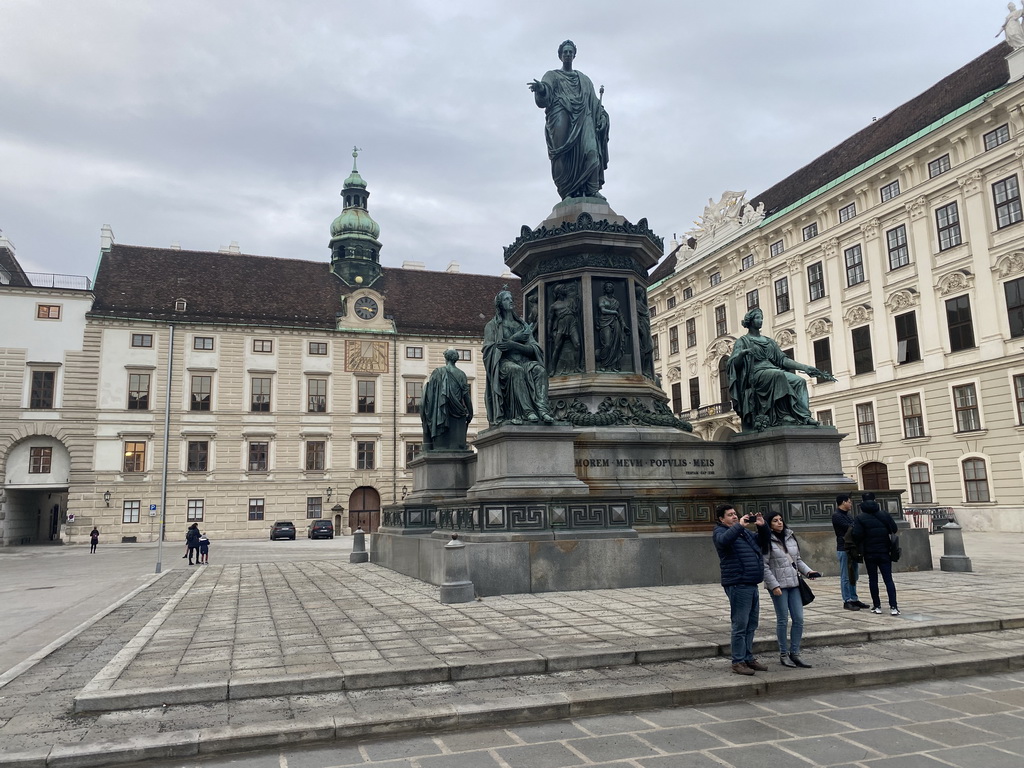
point(355, 154)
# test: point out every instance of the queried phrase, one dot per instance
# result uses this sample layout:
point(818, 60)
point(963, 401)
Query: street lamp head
point(329, 492)
point(106, 497)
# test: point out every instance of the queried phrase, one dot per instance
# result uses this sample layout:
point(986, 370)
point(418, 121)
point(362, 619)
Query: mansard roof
point(234, 288)
point(10, 264)
point(986, 73)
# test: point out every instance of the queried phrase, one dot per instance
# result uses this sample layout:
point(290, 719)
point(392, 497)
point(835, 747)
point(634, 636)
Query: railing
point(718, 409)
point(46, 280)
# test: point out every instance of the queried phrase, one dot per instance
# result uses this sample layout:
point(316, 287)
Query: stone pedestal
point(441, 476)
point(525, 462)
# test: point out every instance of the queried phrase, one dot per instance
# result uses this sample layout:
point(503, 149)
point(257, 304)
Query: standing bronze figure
point(447, 407)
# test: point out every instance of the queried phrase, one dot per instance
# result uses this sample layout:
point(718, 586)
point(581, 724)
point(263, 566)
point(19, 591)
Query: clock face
point(366, 308)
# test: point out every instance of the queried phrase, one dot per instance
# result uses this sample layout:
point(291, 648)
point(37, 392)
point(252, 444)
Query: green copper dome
point(355, 180)
point(355, 221)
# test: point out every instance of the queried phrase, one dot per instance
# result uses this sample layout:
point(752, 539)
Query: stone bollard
point(359, 553)
point(954, 557)
point(456, 588)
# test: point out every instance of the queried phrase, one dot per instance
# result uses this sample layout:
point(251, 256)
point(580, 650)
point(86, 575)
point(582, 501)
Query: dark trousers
point(192, 549)
point(885, 566)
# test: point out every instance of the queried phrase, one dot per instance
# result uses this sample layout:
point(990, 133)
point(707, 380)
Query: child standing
point(204, 550)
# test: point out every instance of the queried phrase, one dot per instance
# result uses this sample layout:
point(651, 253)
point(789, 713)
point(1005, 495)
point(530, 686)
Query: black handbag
point(806, 594)
point(895, 551)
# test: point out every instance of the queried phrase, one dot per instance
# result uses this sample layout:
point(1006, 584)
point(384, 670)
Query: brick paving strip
point(319, 651)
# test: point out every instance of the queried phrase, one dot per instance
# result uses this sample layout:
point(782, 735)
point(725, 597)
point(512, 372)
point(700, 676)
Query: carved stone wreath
point(818, 328)
point(960, 280)
point(901, 300)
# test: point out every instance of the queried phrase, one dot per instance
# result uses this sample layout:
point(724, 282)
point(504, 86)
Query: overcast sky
point(207, 121)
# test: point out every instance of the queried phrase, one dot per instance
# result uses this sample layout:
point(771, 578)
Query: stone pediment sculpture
point(1013, 27)
point(576, 127)
point(447, 407)
point(763, 383)
point(728, 215)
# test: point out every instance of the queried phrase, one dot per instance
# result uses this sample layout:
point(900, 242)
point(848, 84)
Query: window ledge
point(919, 438)
point(971, 433)
point(869, 445)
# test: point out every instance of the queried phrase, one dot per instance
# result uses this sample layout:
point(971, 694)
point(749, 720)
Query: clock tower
point(355, 249)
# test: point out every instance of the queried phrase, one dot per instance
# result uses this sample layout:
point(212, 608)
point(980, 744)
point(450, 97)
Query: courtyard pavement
point(285, 651)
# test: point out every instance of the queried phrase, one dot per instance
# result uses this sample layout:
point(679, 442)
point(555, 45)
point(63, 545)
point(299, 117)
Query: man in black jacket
point(841, 523)
point(742, 564)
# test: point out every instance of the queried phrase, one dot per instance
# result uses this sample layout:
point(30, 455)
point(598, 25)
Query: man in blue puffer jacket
point(742, 566)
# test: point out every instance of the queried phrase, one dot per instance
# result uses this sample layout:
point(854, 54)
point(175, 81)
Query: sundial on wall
point(366, 356)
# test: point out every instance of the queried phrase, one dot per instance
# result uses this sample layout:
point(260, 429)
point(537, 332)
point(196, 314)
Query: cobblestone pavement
point(973, 722)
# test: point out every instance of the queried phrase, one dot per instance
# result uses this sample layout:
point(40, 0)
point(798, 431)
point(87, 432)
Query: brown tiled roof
point(144, 283)
point(13, 268)
point(986, 73)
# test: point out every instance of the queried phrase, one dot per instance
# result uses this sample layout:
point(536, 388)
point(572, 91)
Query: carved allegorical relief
point(917, 207)
point(970, 183)
point(674, 374)
point(858, 315)
point(785, 338)
point(901, 300)
point(1010, 264)
point(954, 282)
point(818, 328)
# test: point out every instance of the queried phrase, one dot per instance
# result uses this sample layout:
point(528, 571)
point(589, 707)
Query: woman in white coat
point(781, 563)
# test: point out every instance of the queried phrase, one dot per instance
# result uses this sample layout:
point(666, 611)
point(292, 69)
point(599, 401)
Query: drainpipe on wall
point(167, 435)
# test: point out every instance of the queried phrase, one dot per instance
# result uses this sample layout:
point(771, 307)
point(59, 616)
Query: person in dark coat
point(742, 566)
point(871, 532)
point(94, 539)
point(192, 542)
point(841, 523)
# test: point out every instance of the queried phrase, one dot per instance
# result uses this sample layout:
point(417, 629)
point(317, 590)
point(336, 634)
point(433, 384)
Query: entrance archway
point(364, 509)
point(35, 493)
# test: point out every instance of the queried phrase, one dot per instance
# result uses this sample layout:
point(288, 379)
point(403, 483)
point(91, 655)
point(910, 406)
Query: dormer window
point(180, 305)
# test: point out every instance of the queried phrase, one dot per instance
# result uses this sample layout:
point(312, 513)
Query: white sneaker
point(877, 609)
point(894, 611)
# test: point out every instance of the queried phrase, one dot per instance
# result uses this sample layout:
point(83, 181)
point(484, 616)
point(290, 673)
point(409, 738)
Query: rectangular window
point(262, 345)
point(48, 311)
point(1006, 194)
point(687, 293)
point(896, 244)
point(715, 279)
point(314, 507)
point(1018, 395)
point(847, 212)
point(204, 343)
point(412, 450)
point(781, 295)
point(965, 405)
point(198, 456)
point(994, 138)
point(256, 509)
point(365, 454)
point(316, 455)
point(854, 265)
point(947, 222)
point(130, 511)
point(908, 349)
point(671, 302)
point(823, 356)
point(144, 340)
point(465, 354)
point(863, 361)
point(961, 327)
point(259, 453)
point(811, 230)
point(260, 394)
point(816, 281)
point(825, 418)
point(677, 397)
point(890, 190)
point(753, 299)
point(1014, 292)
point(138, 391)
point(976, 480)
point(413, 396)
point(195, 510)
point(414, 353)
point(316, 396)
point(318, 348)
point(41, 394)
point(691, 332)
point(866, 423)
point(199, 396)
point(39, 461)
point(134, 456)
point(776, 248)
point(747, 262)
point(694, 393)
point(673, 339)
point(656, 346)
point(721, 328)
point(367, 396)
point(938, 166)
point(913, 416)
point(920, 483)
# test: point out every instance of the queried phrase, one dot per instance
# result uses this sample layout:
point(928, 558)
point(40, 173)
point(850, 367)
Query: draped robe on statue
point(763, 391)
point(517, 383)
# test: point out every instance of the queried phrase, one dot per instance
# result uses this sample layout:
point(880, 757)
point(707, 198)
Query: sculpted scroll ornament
point(818, 328)
point(917, 207)
point(674, 374)
point(870, 228)
point(970, 183)
point(901, 300)
point(1011, 264)
point(718, 350)
point(785, 338)
point(858, 315)
point(960, 280)
point(832, 247)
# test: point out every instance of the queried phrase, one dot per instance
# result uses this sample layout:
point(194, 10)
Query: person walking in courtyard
point(871, 532)
point(842, 521)
point(94, 539)
point(782, 566)
point(742, 567)
point(192, 543)
point(204, 550)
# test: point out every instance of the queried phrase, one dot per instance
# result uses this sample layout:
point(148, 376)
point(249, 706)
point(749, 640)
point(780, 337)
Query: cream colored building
point(895, 261)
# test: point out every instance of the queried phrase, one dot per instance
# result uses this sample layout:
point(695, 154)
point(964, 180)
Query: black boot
point(786, 662)
point(798, 662)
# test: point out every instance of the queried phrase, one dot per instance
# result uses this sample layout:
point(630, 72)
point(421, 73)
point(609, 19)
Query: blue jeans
point(788, 605)
point(744, 608)
point(885, 566)
point(848, 589)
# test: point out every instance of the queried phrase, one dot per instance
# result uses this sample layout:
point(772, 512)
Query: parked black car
point(321, 529)
point(282, 530)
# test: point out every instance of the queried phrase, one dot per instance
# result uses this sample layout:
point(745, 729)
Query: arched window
point(975, 479)
point(723, 382)
point(874, 476)
point(920, 483)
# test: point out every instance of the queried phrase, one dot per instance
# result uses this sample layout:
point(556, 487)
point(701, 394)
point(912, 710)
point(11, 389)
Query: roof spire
point(355, 154)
